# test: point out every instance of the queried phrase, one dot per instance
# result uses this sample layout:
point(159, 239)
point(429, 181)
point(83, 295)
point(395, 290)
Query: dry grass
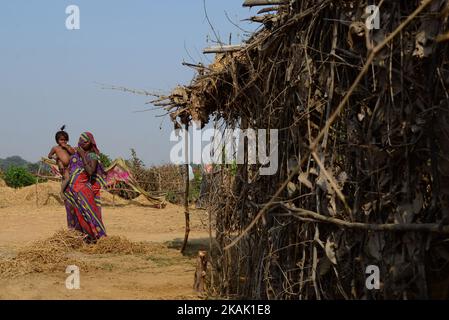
point(53, 254)
point(119, 245)
point(48, 194)
point(45, 255)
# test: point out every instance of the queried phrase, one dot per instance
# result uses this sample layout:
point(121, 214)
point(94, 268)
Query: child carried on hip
point(62, 153)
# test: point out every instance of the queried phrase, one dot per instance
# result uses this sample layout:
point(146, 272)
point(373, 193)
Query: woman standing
point(83, 191)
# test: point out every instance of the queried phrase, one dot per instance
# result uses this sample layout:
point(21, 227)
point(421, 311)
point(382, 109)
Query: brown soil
point(158, 272)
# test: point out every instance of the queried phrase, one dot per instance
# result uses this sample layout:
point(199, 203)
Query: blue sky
point(49, 76)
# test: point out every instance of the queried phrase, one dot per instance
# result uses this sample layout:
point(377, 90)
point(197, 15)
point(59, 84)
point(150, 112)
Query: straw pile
point(48, 194)
point(44, 256)
point(364, 115)
point(57, 252)
point(119, 245)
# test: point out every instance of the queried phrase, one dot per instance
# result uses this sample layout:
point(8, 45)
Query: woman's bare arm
point(90, 165)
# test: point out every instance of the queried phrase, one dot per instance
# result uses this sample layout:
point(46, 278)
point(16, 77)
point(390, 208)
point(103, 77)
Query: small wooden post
point(114, 187)
point(37, 182)
point(186, 195)
point(159, 179)
point(200, 272)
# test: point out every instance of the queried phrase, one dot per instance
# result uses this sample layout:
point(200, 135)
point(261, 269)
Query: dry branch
point(254, 3)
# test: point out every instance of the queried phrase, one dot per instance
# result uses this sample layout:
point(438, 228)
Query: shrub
point(18, 177)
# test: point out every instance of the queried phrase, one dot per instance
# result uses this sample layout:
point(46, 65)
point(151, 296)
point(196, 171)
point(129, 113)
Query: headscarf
point(88, 137)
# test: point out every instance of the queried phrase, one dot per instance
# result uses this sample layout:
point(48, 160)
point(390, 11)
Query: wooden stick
point(333, 183)
point(254, 3)
point(265, 10)
point(261, 19)
point(224, 48)
point(196, 66)
point(200, 272)
point(391, 227)
point(186, 195)
point(37, 182)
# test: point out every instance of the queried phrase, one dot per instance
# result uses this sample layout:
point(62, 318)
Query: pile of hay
point(119, 245)
point(48, 194)
point(56, 253)
point(46, 255)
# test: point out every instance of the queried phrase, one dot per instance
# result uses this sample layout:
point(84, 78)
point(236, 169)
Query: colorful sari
point(83, 194)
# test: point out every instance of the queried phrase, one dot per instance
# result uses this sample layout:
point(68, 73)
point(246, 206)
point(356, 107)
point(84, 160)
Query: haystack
point(48, 195)
point(57, 252)
point(365, 115)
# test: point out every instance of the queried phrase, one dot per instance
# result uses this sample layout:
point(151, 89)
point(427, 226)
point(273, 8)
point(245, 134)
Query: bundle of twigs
point(364, 115)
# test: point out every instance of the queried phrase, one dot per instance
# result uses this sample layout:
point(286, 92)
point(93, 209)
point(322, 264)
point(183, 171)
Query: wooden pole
point(254, 3)
point(113, 195)
point(200, 272)
point(186, 195)
point(37, 182)
point(224, 48)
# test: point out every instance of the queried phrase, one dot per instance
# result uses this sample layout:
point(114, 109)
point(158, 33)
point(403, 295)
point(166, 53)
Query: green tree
point(18, 177)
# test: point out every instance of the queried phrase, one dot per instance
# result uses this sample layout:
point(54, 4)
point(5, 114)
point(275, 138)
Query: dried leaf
point(291, 188)
point(330, 251)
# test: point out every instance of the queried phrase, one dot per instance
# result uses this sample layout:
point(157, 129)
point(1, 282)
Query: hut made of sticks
point(363, 112)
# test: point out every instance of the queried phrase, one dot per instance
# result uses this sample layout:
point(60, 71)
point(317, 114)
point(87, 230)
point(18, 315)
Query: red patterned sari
point(83, 196)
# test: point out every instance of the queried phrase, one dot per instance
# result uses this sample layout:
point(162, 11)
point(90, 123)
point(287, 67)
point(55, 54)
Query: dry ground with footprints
point(140, 259)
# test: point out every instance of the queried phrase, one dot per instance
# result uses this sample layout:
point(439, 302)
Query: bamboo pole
point(186, 195)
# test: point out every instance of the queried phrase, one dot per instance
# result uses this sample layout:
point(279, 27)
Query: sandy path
point(165, 275)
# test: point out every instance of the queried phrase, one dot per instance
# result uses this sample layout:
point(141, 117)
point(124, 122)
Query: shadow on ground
point(193, 246)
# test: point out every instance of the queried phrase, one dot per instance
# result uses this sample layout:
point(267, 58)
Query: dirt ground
point(163, 274)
